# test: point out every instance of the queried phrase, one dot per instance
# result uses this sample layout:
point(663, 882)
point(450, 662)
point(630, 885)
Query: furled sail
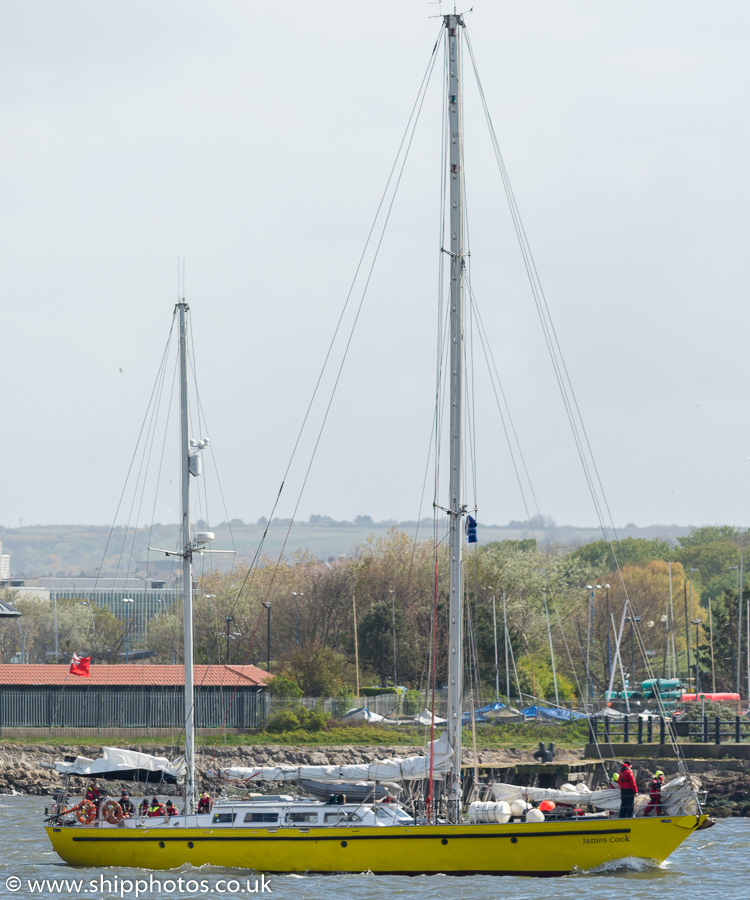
point(678, 796)
point(124, 765)
point(409, 769)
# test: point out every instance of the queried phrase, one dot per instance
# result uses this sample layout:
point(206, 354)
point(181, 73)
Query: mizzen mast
point(187, 566)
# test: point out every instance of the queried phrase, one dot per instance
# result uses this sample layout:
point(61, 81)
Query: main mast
point(187, 566)
point(456, 511)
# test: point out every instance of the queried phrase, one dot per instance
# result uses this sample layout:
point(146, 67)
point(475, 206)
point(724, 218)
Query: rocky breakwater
point(25, 768)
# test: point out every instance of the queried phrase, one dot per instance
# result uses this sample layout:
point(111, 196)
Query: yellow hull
point(545, 849)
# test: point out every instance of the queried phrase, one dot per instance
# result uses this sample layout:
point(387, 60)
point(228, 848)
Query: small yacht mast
point(187, 566)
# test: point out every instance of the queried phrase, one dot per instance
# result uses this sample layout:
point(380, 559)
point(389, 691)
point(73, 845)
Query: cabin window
point(335, 817)
point(262, 817)
point(303, 817)
point(223, 818)
point(332, 818)
point(383, 813)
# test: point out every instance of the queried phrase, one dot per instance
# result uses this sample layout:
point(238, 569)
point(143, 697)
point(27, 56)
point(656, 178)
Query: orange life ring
point(86, 812)
point(112, 812)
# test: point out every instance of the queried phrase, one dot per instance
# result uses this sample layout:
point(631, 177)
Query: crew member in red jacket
point(628, 790)
point(654, 795)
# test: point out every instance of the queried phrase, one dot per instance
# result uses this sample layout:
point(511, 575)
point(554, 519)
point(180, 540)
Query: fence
point(387, 705)
point(51, 707)
point(658, 729)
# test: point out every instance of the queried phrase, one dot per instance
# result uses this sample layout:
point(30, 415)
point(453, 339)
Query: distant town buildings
point(4, 565)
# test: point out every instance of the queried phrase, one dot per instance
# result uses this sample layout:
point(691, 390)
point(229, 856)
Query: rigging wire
point(392, 183)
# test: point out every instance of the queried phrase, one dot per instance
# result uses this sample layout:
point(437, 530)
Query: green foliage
point(282, 721)
point(376, 641)
point(294, 718)
point(694, 711)
point(412, 703)
point(375, 691)
point(535, 677)
point(344, 702)
point(281, 686)
point(711, 550)
point(599, 558)
point(317, 669)
point(313, 719)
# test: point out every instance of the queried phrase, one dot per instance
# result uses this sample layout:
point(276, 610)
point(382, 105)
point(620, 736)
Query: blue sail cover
point(552, 714)
point(480, 714)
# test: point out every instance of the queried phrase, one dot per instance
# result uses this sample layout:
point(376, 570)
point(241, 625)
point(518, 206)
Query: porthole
point(444, 841)
point(514, 840)
point(162, 844)
point(190, 845)
point(343, 844)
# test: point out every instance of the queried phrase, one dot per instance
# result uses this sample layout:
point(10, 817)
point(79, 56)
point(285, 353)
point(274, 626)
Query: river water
point(710, 865)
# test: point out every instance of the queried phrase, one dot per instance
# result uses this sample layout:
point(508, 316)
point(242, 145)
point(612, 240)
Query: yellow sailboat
point(546, 849)
point(287, 834)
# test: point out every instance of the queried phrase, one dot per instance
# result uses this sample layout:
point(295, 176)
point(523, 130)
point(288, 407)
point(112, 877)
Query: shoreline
point(23, 769)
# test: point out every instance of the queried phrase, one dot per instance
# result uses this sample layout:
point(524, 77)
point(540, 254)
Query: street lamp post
point(497, 663)
point(127, 601)
point(589, 680)
point(687, 626)
point(267, 606)
point(609, 645)
point(740, 586)
point(632, 620)
point(296, 595)
point(393, 619)
point(697, 623)
point(229, 621)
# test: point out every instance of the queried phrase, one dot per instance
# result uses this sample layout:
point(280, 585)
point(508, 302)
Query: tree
point(317, 669)
point(600, 556)
point(376, 642)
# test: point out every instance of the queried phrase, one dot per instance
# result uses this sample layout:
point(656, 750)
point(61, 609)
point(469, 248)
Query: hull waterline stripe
point(348, 837)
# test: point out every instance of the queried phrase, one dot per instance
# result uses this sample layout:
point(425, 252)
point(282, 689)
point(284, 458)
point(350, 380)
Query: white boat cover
point(425, 718)
point(678, 796)
point(408, 769)
point(363, 714)
point(114, 761)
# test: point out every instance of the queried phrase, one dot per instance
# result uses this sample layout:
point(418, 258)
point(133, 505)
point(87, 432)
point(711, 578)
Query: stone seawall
point(23, 767)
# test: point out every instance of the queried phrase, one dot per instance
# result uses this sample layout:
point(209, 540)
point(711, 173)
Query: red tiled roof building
point(129, 696)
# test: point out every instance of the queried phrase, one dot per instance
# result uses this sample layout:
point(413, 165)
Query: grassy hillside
point(77, 550)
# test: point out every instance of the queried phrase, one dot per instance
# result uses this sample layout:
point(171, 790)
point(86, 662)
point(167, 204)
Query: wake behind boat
point(438, 832)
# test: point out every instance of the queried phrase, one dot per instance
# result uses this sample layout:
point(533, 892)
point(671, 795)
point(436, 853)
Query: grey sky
point(254, 141)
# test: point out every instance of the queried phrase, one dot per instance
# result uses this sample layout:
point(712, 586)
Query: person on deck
point(170, 808)
point(205, 803)
point(126, 804)
point(628, 790)
point(93, 794)
point(143, 806)
point(654, 795)
point(155, 809)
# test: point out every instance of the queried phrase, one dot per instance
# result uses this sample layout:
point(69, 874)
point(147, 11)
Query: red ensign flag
point(80, 665)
